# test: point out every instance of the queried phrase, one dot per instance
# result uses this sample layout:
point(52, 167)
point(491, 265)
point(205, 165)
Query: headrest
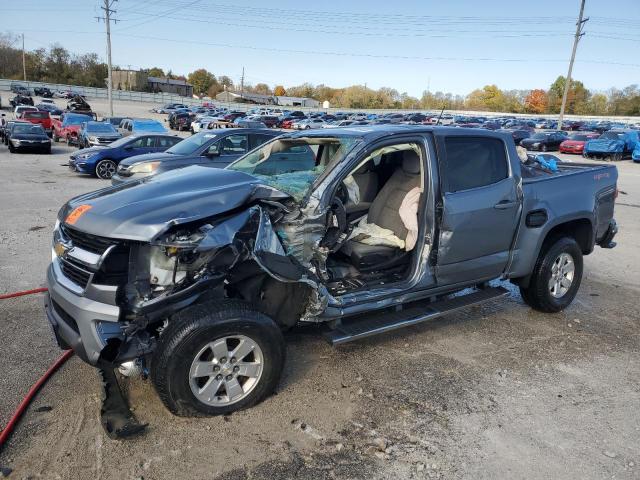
point(410, 162)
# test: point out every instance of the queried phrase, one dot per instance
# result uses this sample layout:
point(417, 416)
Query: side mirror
point(128, 147)
point(212, 151)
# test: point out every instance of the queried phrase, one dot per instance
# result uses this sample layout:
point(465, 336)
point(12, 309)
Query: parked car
point(244, 123)
point(518, 135)
point(6, 131)
point(575, 142)
point(308, 123)
point(543, 141)
point(170, 107)
point(28, 137)
point(67, 126)
point(20, 109)
point(133, 126)
point(21, 100)
point(93, 134)
point(43, 92)
point(39, 118)
point(612, 145)
point(51, 108)
point(213, 148)
point(102, 161)
point(270, 121)
point(19, 88)
point(115, 121)
point(63, 94)
point(180, 121)
point(207, 266)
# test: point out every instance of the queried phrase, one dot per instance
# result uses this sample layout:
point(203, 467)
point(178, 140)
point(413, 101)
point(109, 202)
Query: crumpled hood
point(142, 209)
point(604, 145)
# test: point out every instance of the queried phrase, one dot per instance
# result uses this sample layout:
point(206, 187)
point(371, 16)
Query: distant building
point(258, 98)
point(142, 82)
point(168, 85)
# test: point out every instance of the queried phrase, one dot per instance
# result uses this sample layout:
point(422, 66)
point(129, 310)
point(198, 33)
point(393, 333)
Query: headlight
point(93, 139)
point(537, 144)
point(147, 167)
point(54, 255)
point(16, 142)
point(84, 156)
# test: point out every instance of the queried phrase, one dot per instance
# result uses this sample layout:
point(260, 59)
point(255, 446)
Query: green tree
point(201, 80)
point(577, 96)
point(155, 72)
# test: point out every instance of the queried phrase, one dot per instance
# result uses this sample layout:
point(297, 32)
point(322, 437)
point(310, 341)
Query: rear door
point(479, 210)
point(140, 146)
point(162, 143)
point(230, 148)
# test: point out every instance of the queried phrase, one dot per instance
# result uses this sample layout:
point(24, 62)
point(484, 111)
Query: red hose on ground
point(20, 294)
point(6, 432)
point(4, 435)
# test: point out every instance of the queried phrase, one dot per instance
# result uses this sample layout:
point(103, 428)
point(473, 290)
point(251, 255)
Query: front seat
point(385, 212)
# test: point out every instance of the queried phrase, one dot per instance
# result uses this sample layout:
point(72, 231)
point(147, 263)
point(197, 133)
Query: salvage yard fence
point(162, 98)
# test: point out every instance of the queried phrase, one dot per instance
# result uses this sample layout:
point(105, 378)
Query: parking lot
point(497, 391)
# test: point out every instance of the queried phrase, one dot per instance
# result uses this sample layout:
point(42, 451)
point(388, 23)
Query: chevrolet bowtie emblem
point(60, 249)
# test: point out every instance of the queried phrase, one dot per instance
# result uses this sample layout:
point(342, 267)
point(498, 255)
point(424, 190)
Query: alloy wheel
point(562, 273)
point(226, 370)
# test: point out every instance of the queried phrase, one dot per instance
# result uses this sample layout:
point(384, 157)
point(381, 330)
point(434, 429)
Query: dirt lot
point(497, 391)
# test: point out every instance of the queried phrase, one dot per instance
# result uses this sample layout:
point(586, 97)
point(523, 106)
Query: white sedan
point(308, 123)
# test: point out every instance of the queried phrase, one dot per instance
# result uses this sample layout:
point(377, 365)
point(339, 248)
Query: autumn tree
point(279, 91)
point(577, 96)
point(537, 101)
point(201, 80)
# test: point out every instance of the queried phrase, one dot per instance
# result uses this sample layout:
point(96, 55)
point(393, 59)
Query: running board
point(417, 312)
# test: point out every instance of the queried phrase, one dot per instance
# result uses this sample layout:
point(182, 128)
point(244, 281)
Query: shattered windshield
point(293, 164)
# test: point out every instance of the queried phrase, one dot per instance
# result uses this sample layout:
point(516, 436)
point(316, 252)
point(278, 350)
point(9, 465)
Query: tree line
point(57, 65)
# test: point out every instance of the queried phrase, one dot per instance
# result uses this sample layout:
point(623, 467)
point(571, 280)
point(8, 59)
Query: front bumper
point(78, 322)
point(80, 166)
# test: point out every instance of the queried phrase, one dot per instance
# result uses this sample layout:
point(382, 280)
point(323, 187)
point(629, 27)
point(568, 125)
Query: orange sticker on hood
point(77, 212)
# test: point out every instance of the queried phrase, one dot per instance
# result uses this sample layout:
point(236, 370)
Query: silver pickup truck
point(196, 272)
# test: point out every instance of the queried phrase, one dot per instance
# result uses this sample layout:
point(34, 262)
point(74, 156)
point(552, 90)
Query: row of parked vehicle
point(45, 92)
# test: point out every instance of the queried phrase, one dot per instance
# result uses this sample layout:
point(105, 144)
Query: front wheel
point(556, 276)
point(544, 148)
point(105, 169)
point(55, 137)
point(217, 358)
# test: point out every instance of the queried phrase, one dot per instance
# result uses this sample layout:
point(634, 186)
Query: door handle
point(504, 204)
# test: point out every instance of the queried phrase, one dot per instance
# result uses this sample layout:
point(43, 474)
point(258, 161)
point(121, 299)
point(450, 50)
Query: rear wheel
point(556, 276)
point(69, 141)
point(55, 137)
point(544, 148)
point(217, 358)
point(617, 157)
point(12, 149)
point(105, 169)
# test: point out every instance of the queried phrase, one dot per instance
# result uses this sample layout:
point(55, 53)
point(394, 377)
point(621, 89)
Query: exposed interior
point(382, 197)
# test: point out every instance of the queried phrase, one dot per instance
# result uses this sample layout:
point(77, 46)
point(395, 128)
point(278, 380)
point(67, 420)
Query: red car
point(68, 126)
point(575, 143)
point(40, 118)
point(289, 122)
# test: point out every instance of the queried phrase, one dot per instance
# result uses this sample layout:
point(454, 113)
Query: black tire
point(617, 157)
point(105, 169)
point(195, 327)
point(538, 294)
point(12, 149)
point(55, 137)
point(543, 148)
point(69, 142)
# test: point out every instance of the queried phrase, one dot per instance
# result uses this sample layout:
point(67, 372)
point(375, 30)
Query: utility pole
point(567, 83)
point(242, 83)
point(107, 20)
point(24, 64)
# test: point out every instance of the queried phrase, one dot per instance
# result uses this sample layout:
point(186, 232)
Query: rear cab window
point(473, 162)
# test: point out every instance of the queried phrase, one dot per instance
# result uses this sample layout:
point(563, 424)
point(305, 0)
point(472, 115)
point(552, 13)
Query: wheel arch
point(581, 229)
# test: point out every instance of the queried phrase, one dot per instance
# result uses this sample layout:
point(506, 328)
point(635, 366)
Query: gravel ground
point(497, 391)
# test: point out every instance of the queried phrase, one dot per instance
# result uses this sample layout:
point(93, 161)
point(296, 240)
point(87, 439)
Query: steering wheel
point(338, 229)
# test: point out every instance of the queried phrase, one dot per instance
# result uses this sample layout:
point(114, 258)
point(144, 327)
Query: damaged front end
point(257, 253)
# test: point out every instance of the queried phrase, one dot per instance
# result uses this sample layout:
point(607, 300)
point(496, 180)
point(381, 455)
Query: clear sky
point(411, 45)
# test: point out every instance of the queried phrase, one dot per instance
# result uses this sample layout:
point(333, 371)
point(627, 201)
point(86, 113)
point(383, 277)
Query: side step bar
point(414, 313)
